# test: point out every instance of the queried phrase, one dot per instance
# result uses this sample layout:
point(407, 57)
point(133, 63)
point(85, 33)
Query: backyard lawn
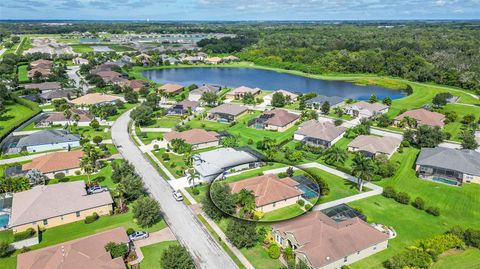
point(339, 187)
point(468, 259)
point(153, 254)
point(283, 213)
point(22, 74)
point(89, 132)
point(103, 177)
point(164, 122)
point(14, 115)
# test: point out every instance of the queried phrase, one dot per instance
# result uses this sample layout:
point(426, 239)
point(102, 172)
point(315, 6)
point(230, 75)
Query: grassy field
point(148, 137)
point(81, 48)
point(153, 254)
point(456, 127)
point(468, 259)
point(103, 177)
point(458, 206)
point(89, 132)
point(22, 74)
point(14, 115)
point(165, 122)
point(339, 187)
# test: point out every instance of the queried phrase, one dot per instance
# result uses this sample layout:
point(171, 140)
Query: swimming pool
point(4, 220)
point(444, 180)
point(307, 192)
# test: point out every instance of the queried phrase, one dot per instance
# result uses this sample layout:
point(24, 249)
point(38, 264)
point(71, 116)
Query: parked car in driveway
point(178, 195)
point(97, 189)
point(138, 235)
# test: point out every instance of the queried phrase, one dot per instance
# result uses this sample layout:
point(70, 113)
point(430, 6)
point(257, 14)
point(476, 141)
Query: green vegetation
point(174, 163)
point(22, 74)
point(339, 187)
point(15, 114)
point(467, 259)
point(165, 122)
point(283, 213)
point(81, 48)
point(153, 253)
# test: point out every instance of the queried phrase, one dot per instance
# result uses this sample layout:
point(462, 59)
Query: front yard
point(153, 254)
point(175, 163)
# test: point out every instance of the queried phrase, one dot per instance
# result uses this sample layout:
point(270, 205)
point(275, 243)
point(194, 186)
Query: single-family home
point(95, 99)
point(44, 72)
point(44, 86)
point(48, 140)
point(57, 162)
point(364, 109)
point(271, 192)
point(371, 145)
point(422, 117)
point(198, 138)
point(226, 112)
point(172, 60)
point(276, 119)
point(182, 108)
point(290, 95)
point(213, 60)
point(102, 67)
point(196, 95)
point(319, 100)
point(315, 133)
point(230, 58)
point(450, 166)
point(192, 59)
point(86, 252)
point(135, 84)
point(48, 206)
point(239, 92)
point(79, 61)
point(41, 63)
point(211, 164)
point(109, 76)
point(56, 94)
point(58, 118)
point(323, 243)
point(170, 88)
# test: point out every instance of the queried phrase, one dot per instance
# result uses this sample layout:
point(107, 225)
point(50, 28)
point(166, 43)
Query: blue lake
point(267, 80)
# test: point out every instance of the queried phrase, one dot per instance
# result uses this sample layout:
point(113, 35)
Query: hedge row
point(91, 218)
point(28, 233)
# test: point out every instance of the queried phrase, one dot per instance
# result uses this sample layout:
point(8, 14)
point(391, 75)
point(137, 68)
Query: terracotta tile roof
point(94, 98)
point(424, 117)
point(136, 84)
point(285, 93)
point(324, 241)
point(85, 116)
point(267, 188)
point(56, 161)
point(326, 131)
point(108, 75)
point(376, 144)
point(48, 201)
point(44, 86)
point(87, 252)
point(280, 117)
point(243, 90)
point(229, 109)
point(171, 88)
point(41, 62)
point(193, 136)
point(43, 71)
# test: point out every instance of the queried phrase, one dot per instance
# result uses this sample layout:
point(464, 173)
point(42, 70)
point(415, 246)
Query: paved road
point(188, 230)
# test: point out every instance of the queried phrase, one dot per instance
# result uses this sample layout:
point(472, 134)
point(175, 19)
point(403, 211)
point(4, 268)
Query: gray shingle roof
point(47, 137)
point(465, 161)
point(320, 99)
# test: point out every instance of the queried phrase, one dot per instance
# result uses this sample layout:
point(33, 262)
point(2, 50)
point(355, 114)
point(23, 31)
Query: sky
point(235, 10)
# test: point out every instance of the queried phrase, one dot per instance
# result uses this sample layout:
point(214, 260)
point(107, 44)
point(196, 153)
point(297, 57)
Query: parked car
point(138, 236)
point(178, 195)
point(97, 189)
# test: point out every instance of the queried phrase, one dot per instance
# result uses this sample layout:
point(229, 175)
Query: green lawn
point(89, 132)
point(175, 160)
point(81, 48)
point(283, 213)
point(458, 206)
point(165, 122)
point(14, 115)
point(22, 74)
point(103, 177)
point(148, 137)
point(208, 125)
point(456, 127)
point(468, 259)
point(339, 187)
point(153, 254)
point(127, 106)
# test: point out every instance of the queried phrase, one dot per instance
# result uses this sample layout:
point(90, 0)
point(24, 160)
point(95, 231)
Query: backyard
point(14, 115)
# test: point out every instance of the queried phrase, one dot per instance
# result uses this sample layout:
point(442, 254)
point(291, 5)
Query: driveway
point(184, 225)
point(156, 237)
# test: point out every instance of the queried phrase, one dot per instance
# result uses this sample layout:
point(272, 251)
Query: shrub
point(288, 254)
point(419, 203)
point(91, 218)
point(389, 192)
point(59, 175)
point(411, 258)
point(405, 143)
point(242, 233)
point(28, 233)
point(308, 207)
point(403, 198)
point(116, 249)
point(282, 175)
point(433, 210)
point(4, 247)
point(147, 211)
point(165, 156)
point(156, 147)
point(345, 267)
point(274, 251)
point(77, 173)
point(250, 141)
point(130, 231)
point(301, 202)
point(25, 249)
point(65, 179)
point(195, 191)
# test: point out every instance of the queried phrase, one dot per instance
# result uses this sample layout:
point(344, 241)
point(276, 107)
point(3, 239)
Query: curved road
point(188, 230)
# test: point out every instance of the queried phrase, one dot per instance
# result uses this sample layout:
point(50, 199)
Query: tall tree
point(363, 168)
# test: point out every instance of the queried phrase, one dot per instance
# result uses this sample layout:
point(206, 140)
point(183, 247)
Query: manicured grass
point(208, 125)
point(458, 206)
point(153, 254)
point(89, 132)
point(165, 122)
point(127, 106)
point(148, 137)
point(468, 259)
point(456, 127)
point(339, 187)
point(22, 74)
point(81, 48)
point(176, 160)
point(14, 115)
point(283, 213)
point(103, 177)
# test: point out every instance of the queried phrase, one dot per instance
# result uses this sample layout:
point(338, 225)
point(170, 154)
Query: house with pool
point(276, 120)
point(226, 112)
point(449, 166)
point(319, 134)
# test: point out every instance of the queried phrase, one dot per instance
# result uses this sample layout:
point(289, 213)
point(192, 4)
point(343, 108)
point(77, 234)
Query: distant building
point(317, 102)
point(451, 166)
point(371, 145)
point(226, 112)
point(95, 99)
point(239, 92)
point(275, 119)
point(135, 84)
point(230, 58)
point(170, 88)
point(48, 140)
point(198, 138)
point(365, 109)
point(422, 117)
point(268, 98)
point(323, 134)
point(196, 95)
point(213, 60)
point(271, 192)
point(44, 87)
point(86, 252)
point(49, 206)
point(79, 61)
point(323, 243)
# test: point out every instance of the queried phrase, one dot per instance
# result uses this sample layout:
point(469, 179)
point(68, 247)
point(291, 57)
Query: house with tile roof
point(323, 243)
point(451, 166)
point(57, 162)
point(196, 95)
point(422, 117)
point(86, 252)
point(276, 119)
point(170, 88)
point(239, 92)
point(319, 134)
point(227, 112)
point(48, 206)
point(270, 191)
point(268, 98)
point(198, 138)
point(95, 99)
point(371, 145)
point(58, 118)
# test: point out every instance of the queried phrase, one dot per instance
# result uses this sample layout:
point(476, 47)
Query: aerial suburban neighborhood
point(288, 141)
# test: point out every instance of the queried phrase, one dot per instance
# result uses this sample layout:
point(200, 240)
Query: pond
point(267, 80)
point(89, 40)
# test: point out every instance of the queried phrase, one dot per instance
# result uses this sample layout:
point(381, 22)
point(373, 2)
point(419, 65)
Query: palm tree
point(363, 168)
point(192, 175)
point(335, 155)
